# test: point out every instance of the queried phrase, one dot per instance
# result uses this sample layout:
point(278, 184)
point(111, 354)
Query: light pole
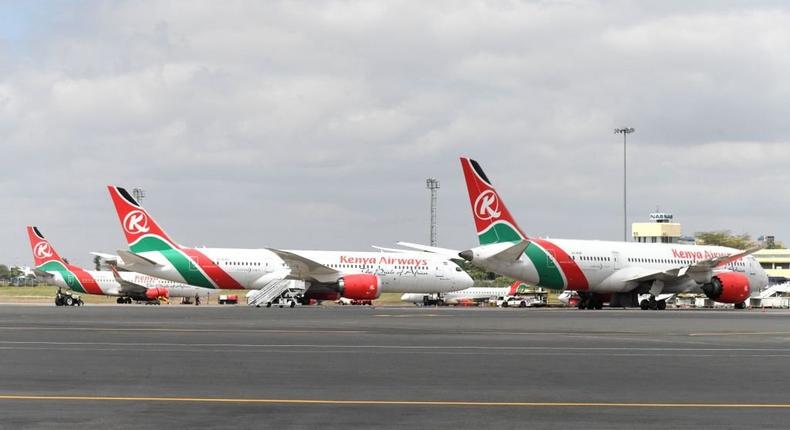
point(433, 185)
point(138, 194)
point(625, 131)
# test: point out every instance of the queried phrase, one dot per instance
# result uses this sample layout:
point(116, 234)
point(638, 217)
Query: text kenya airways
point(383, 260)
point(697, 255)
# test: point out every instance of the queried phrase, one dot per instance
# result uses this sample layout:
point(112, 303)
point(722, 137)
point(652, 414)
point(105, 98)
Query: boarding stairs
point(272, 290)
point(775, 296)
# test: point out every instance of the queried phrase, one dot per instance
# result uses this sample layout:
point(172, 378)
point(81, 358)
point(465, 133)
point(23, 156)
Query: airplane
point(328, 275)
point(469, 296)
point(601, 271)
point(127, 286)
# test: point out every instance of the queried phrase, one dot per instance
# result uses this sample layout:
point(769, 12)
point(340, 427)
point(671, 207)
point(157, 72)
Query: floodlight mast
point(433, 185)
point(138, 194)
point(625, 131)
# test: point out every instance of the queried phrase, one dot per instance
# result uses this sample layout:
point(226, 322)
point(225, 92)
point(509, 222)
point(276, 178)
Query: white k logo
point(136, 222)
point(42, 250)
point(487, 206)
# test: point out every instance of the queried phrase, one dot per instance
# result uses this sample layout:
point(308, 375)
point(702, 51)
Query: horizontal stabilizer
point(130, 258)
point(512, 253)
point(42, 274)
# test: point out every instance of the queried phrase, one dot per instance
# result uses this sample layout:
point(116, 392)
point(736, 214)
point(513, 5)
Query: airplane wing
point(110, 258)
point(720, 261)
point(696, 267)
point(127, 287)
point(446, 252)
point(385, 249)
point(306, 269)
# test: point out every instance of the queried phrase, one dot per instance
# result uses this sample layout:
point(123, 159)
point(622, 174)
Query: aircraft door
point(616, 263)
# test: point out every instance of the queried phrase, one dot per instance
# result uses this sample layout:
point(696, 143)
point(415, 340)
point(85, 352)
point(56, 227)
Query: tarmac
point(184, 367)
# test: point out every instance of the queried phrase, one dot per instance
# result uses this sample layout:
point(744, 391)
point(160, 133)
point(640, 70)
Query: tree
point(483, 278)
point(725, 238)
point(4, 272)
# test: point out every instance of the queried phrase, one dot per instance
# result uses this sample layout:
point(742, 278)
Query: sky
point(313, 125)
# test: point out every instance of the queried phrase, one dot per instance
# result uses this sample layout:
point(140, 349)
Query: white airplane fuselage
point(609, 267)
point(255, 268)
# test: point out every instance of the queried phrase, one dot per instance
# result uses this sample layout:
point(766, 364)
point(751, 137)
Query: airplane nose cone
point(466, 255)
point(467, 282)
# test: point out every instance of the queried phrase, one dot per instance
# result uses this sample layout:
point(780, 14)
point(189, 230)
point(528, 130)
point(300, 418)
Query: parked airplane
point(472, 295)
point(329, 275)
point(127, 286)
point(601, 270)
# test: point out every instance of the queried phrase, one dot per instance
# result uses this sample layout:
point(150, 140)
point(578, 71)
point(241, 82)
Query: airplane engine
point(728, 287)
point(156, 292)
point(359, 287)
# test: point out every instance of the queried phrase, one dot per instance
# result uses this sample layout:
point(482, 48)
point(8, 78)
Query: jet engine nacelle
point(156, 292)
point(728, 287)
point(359, 287)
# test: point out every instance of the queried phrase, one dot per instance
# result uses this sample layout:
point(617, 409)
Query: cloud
point(315, 124)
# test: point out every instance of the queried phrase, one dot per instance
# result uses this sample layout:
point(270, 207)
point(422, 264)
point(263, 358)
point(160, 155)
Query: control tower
point(660, 229)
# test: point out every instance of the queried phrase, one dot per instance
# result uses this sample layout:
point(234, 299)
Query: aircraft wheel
point(741, 305)
point(652, 304)
point(293, 304)
point(268, 304)
point(69, 301)
point(58, 301)
point(120, 300)
point(598, 305)
point(644, 305)
point(661, 305)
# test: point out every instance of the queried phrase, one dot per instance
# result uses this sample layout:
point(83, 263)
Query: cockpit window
point(457, 269)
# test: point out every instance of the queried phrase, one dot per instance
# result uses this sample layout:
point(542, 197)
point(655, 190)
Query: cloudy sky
point(314, 125)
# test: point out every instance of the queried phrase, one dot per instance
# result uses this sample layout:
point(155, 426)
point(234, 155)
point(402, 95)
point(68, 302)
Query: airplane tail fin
point(493, 221)
point(142, 232)
point(43, 252)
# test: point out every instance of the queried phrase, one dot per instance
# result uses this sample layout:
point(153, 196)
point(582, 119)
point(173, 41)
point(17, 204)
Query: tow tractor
point(67, 299)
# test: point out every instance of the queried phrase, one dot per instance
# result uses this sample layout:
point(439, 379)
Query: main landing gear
point(122, 300)
point(653, 304)
point(590, 301)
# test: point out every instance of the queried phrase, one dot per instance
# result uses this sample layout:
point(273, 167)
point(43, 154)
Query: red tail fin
point(135, 220)
point(488, 208)
point(43, 252)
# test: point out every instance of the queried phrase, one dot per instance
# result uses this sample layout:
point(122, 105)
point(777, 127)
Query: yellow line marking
point(394, 402)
